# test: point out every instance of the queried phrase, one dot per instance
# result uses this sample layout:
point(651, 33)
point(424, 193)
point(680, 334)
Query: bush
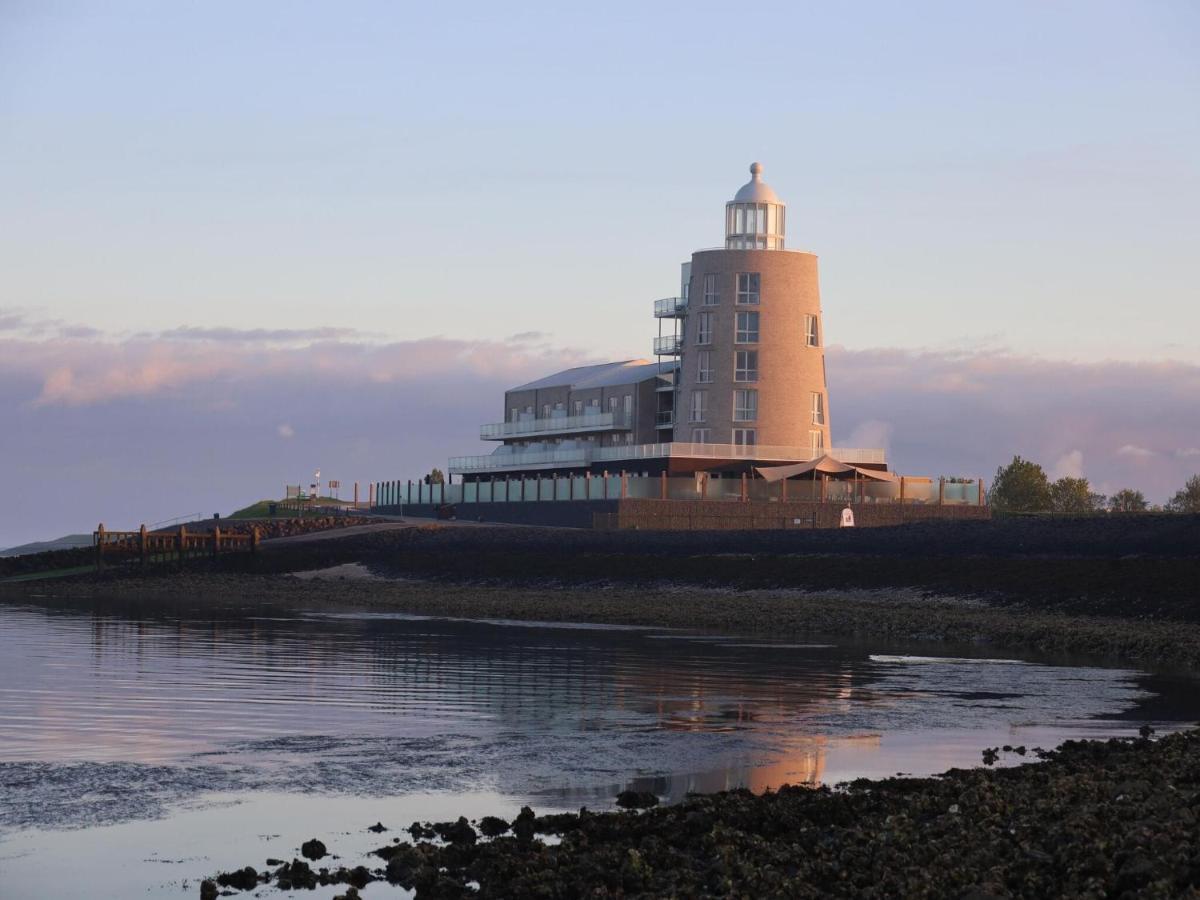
point(1073, 495)
point(1021, 486)
point(1127, 500)
point(1188, 499)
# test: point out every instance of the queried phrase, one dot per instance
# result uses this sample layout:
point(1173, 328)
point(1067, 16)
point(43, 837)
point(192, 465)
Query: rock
point(243, 879)
point(313, 849)
point(636, 799)
point(351, 894)
point(274, 862)
point(208, 890)
point(459, 832)
point(421, 832)
point(378, 828)
point(523, 825)
point(491, 826)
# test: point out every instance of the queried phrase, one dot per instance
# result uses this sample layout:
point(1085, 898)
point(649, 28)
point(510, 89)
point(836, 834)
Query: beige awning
point(826, 465)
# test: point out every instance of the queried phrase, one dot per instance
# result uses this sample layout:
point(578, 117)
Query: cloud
point(255, 335)
point(1135, 451)
point(522, 337)
point(286, 431)
point(1187, 452)
point(1069, 465)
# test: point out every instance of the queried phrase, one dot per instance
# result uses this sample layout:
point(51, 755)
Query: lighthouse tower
point(752, 359)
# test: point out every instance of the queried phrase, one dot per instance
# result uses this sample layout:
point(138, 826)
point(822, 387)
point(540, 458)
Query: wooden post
point(605, 477)
point(356, 495)
point(587, 485)
point(662, 486)
point(823, 488)
point(216, 541)
point(624, 485)
point(901, 490)
point(570, 486)
point(745, 492)
point(941, 490)
point(979, 501)
point(142, 544)
point(254, 538)
point(182, 542)
point(100, 546)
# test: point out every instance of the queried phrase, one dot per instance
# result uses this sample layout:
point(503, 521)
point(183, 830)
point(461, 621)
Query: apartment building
point(738, 377)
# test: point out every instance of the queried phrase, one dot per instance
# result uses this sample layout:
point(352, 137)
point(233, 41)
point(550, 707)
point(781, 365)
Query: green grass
point(49, 573)
point(261, 509)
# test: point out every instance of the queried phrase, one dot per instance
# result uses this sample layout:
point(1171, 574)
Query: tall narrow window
point(612, 404)
point(699, 411)
point(812, 337)
point(629, 404)
point(579, 407)
point(704, 328)
point(704, 370)
point(745, 365)
point(545, 410)
point(745, 406)
point(817, 439)
point(701, 435)
point(711, 297)
point(747, 288)
point(818, 408)
point(744, 437)
point(516, 414)
point(747, 328)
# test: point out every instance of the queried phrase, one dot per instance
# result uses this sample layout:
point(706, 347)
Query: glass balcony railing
point(668, 345)
point(584, 456)
point(670, 307)
point(556, 425)
point(664, 418)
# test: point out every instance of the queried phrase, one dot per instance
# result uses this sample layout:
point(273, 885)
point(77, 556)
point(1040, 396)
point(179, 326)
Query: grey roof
point(756, 190)
point(629, 371)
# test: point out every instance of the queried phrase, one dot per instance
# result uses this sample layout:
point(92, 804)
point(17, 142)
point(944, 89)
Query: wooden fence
point(177, 545)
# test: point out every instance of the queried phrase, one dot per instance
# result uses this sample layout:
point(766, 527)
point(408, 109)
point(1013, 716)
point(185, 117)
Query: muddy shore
point(1095, 819)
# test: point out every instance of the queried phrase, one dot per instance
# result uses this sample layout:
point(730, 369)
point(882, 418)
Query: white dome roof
point(756, 190)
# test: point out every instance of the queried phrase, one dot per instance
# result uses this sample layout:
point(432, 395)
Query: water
point(142, 749)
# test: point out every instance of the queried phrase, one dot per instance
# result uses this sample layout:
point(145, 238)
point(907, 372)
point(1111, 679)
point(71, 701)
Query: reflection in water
point(176, 712)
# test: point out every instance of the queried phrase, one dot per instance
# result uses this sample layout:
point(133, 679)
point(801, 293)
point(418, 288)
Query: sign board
point(333, 485)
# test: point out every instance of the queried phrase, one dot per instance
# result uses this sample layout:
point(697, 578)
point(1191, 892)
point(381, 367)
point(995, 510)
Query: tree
point(435, 477)
point(1127, 500)
point(1071, 495)
point(1188, 499)
point(1021, 486)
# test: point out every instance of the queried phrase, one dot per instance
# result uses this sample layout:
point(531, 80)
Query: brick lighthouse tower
point(752, 362)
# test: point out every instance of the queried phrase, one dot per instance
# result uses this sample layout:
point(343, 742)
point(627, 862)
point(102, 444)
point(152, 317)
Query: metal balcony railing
point(670, 307)
point(556, 425)
point(668, 345)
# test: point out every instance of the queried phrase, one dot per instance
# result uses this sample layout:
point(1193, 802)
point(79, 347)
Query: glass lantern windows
point(754, 226)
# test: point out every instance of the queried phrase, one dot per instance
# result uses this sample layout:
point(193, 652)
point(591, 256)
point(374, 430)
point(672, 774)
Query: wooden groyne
point(177, 545)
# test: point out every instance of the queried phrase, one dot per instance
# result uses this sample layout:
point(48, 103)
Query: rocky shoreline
point(1093, 819)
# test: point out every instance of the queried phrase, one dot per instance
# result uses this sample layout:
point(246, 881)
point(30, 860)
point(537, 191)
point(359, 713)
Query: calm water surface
point(141, 749)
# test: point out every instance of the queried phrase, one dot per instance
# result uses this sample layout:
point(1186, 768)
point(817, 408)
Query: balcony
point(670, 308)
point(665, 382)
point(579, 457)
point(668, 345)
point(665, 419)
point(556, 425)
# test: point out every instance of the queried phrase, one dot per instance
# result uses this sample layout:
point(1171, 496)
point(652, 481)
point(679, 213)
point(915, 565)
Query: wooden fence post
point(216, 541)
point(624, 485)
point(662, 486)
point(100, 546)
point(182, 542)
point(941, 490)
point(254, 541)
point(604, 475)
point(979, 501)
point(587, 485)
point(142, 544)
point(745, 492)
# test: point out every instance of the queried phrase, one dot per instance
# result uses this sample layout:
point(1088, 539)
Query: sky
point(242, 241)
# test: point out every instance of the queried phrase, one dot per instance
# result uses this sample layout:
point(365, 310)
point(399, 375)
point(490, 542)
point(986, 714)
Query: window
point(515, 413)
point(612, 404)
point(699, 406)
point(744, 437)
point(747, 328)
point(545, 410)
point(818, 408)
point(817, 440)
point(704, 328)
point(745, 406)
point(629, 404)
point(704, 372)
point(745, 365)
point(700, 435)
point(747, 288)
point(579, 407)
point(812, 337)
point(711, 297)
point(629, 437)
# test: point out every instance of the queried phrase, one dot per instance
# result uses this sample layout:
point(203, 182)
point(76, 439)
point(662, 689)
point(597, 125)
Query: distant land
point(66, 542)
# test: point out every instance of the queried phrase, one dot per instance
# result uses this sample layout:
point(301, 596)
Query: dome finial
point(756, 170)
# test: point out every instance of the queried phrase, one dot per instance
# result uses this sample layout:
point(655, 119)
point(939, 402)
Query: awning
point(826, 465)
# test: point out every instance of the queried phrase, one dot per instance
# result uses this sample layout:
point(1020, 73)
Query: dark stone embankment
point(1095, 819)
